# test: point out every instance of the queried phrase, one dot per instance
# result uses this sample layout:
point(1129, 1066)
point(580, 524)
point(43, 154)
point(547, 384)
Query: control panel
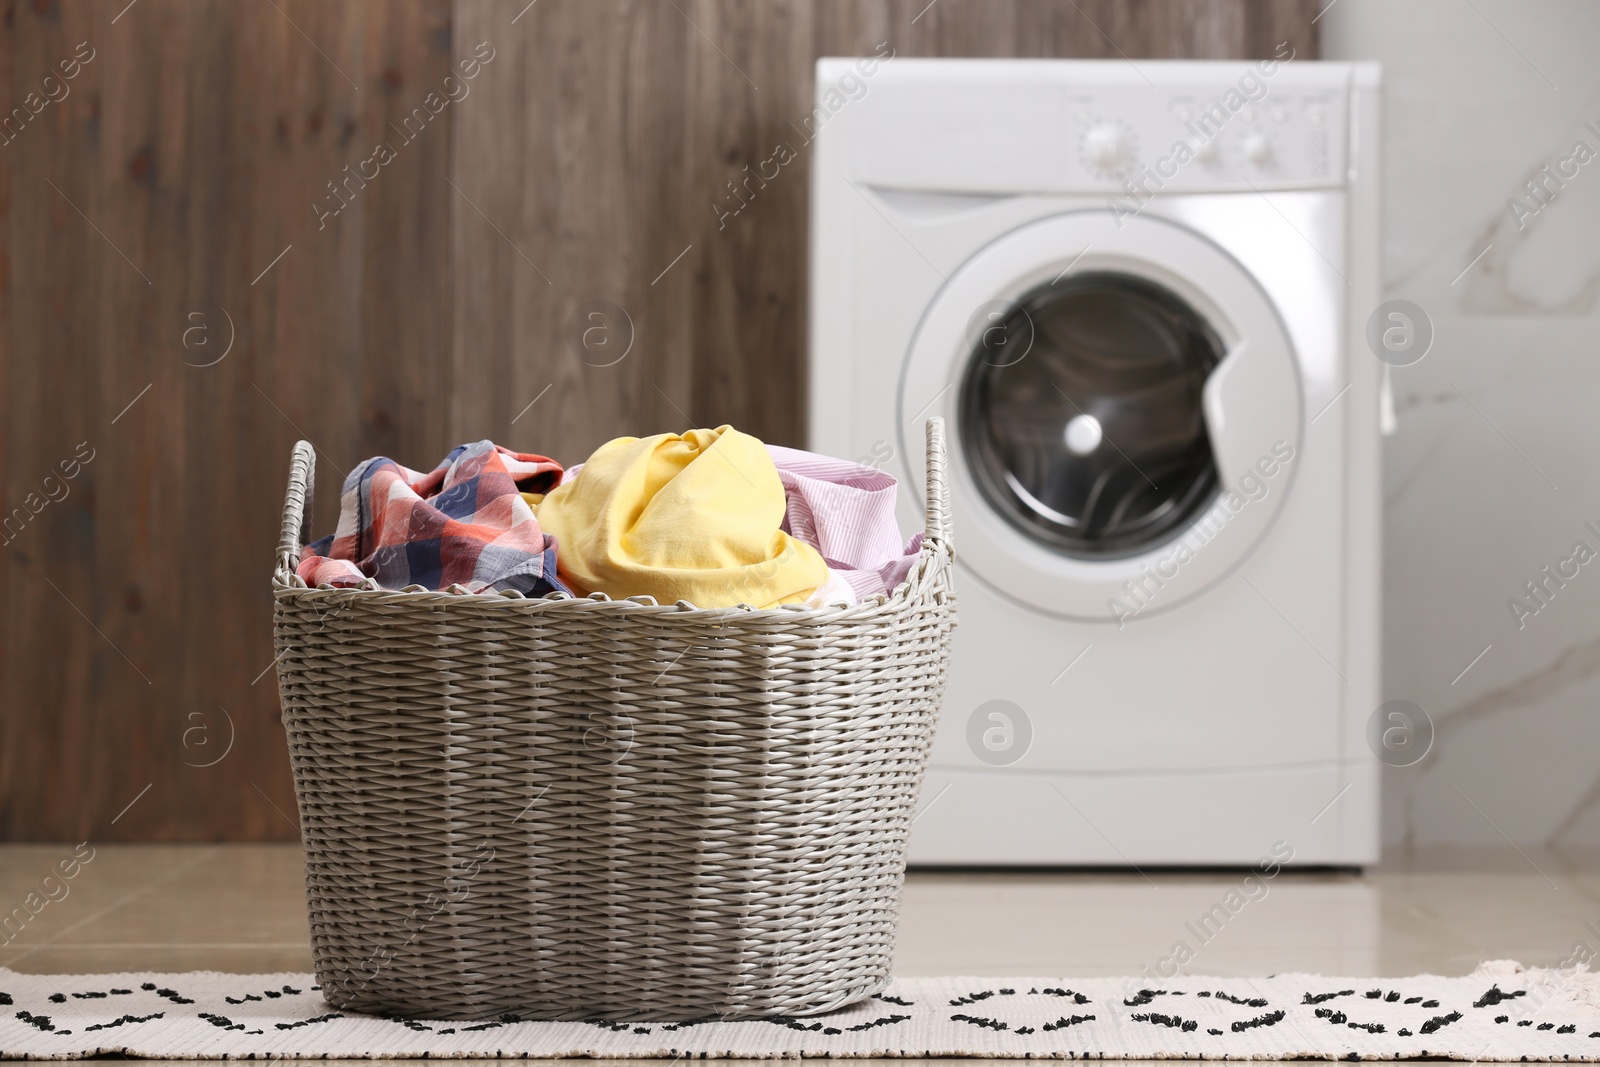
point(1243, 129)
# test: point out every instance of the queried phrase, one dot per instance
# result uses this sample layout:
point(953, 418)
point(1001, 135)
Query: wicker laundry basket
point(567, 808)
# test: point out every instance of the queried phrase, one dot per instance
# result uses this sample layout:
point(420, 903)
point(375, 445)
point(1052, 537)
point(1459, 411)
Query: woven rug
point(1499, 1012)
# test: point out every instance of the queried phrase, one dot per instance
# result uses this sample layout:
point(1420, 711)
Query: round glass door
point(1081, 414)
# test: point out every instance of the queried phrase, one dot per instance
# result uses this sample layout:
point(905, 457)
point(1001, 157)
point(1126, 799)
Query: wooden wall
point(179, 302)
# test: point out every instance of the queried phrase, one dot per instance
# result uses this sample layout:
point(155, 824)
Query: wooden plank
point(406, 214)
point(191, 143)
point(299, 91)
point(751, 71)
point(74, 647)
point(1271, 23)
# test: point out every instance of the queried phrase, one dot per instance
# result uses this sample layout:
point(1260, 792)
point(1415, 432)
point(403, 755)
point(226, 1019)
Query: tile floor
point(241, 908)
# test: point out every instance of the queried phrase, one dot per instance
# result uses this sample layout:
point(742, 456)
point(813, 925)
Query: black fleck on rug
point(1499, 1012)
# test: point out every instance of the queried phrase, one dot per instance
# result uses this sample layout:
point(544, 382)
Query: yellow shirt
point(693, 517)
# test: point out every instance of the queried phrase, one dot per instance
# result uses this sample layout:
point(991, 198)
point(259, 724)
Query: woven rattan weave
point(584, 808)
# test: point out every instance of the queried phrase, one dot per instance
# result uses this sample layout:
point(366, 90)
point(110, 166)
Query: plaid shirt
point(464, 523)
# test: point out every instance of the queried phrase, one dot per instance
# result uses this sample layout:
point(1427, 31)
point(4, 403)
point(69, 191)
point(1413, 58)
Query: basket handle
point(296, 528)
point(938, 491)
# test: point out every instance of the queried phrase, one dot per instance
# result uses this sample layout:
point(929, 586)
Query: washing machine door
point(1125, 407)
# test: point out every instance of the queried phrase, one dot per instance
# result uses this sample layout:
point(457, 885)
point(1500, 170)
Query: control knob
point(1258, 150)
point(1107, 147)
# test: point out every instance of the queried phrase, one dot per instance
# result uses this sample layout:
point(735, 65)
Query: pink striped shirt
point(846, 512)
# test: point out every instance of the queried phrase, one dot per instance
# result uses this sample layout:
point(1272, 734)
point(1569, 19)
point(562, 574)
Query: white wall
point(1495, 467)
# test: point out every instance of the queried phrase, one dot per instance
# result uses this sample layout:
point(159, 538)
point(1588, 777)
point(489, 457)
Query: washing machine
point(1137, 293)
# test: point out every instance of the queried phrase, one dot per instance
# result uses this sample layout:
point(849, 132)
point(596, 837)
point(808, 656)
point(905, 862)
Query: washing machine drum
point(1126, 408)
point(1082, 415)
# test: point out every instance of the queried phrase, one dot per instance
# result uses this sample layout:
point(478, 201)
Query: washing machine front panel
point(1125, 411)
point(1165, 694)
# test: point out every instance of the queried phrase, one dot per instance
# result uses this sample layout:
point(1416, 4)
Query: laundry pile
point(715, 518)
